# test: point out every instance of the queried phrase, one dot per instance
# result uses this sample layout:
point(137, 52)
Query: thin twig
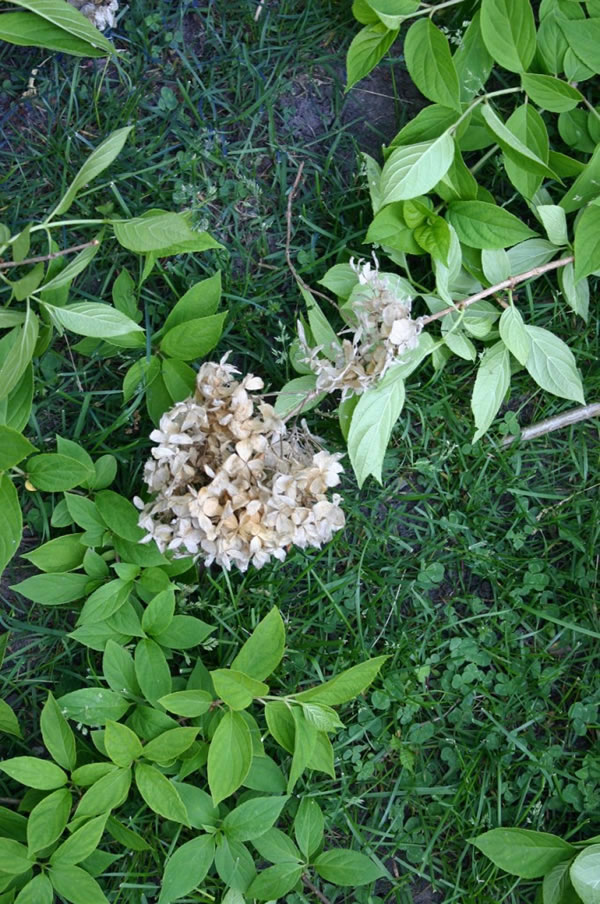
point(4, 265)
point(584, 413)
point(288, 239)
point(259, 10)
point(506, 284)
point(315, 890)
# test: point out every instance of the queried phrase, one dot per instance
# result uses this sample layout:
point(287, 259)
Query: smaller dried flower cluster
point(232, 486)
point(101, 13)
point(382, 330)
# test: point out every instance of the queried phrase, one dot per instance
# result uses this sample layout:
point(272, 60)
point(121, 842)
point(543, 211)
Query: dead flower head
point(381, 330)
point(101, 13)
point(231, 485)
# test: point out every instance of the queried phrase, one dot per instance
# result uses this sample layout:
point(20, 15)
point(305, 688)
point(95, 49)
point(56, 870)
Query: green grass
point(472, 567)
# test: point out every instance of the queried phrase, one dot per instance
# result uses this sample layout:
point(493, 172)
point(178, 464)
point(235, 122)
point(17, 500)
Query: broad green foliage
point(454, 240)
point(36, 305)
point(55, 25)
point(144, 758)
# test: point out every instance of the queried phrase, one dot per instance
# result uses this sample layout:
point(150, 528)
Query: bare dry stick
point(288, 239)
point(315, 890)
point(506, 284)
point(556, 423)
point(4, 265)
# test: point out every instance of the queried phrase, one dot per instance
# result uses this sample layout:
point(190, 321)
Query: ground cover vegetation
point(431, 734)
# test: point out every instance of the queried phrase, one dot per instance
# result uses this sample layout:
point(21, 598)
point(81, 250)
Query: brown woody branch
point(574, 416)
point(506, 284)
point(5, 265)
point(315, 890)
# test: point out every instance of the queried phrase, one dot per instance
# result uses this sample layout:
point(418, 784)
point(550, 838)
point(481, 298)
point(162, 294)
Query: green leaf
point(53, 589)
point(389, 228)
point(53, 473)
point(37, 891)
point(188, 704)
point(234, 864)
point(275, 881)
point(202, 300)
point(169, 745)
point(106, 793)
point(429, 63)
point(277, 847)
point(153, 233)
point(292, 396)
point(347, 868)
point(482, 225)
point(13, 858)
point(179, 378)
point(377, 411)
point(9, 723)
point(70, 271)
point(529, 254)
point(551, 93)
point(127, 837)
point(516, 150)
point(263, 651)
point(265, 775)
point(159, 614)
point(21, 347)
point(122, 744)
point(76, 885)
point(229, 756)
point(555, 223)
point(62, 554)
point(105, 601)
point(194, 338)
point(557, 887)
point(390, 12)
point(495, 265)
point(11, 523)
point(490, 387)
point(81, 843)
point(160, 794)
point(587, 242)
point(583, 37)
point(585, 874)
point(34, 773)
point(414, 170)
point(429, 123)
point(48, 819)
point(472, 61)
point(28, 30)
point(368, 47)
point(576, 294)
point(95, 164)
point(339, 279)
point(93, 705)
point(88, 318)
point(57, 734)
point(123, 295)
point(236, 689)
point(305, 739)
point(119, 670)
point(69, 20)
point(585, 186)
point(345, 686)
point(27, 285)
point(551, 42)
point(119, 515)
point(552, 365)
point(523, 852)
point(152, 671)
point(200, 809)
point(323, 333)
point(106, 471)
point(184, 632)
point(514, 334)
point(308, 827)
point(434, 237)
point(15, 408)
point(253, 818)
point(529, 129)
point(508, 30)
point(186, 868)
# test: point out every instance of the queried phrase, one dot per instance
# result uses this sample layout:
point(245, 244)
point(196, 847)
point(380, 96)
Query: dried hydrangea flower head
point(101, 13)
point(231, 484)
point(381, 327)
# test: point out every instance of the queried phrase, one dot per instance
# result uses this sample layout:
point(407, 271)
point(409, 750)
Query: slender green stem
point(431, 10)
point(479, 100)
point(591, 108)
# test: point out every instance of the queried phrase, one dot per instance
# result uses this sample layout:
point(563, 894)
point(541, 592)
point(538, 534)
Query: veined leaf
point(414, 170)
point(490, 387)
point(508, 30)
point(429, 62)
point(98, 160)
point(377, 411)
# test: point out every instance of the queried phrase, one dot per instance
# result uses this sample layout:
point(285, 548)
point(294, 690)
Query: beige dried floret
point(231, 484)
point(101, 13)
point(382, 330)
